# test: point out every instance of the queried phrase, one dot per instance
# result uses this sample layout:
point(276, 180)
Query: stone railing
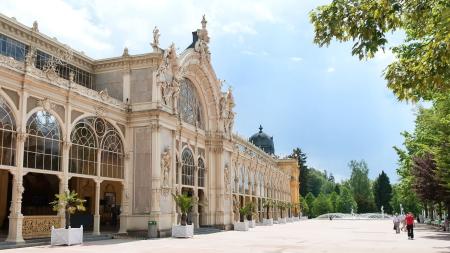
point(39, 226)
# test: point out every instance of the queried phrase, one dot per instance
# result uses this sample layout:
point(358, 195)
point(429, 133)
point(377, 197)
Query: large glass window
point(12, 48)
point(189, 104)
point(201, 173)
point(88, 136)
point(187, 167)
point(83, 153)
point(42, 148)
point(7, 135)
point(112, 156)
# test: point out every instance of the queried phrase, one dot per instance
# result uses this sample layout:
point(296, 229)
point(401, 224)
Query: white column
point(156, 175)
point(15, 216)
point(97, 208)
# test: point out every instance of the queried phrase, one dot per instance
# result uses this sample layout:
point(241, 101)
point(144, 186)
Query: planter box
point(289, 219)
point(295, 218)
point(69, 236)
point(267, 222)
point(179, 231)
point(251, 223)
point(281, 220)
point(241, 226)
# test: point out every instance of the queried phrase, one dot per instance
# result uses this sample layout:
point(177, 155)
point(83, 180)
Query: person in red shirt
point(409, 220)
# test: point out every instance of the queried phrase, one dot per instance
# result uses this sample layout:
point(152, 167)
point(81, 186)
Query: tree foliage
point(382, 191)
point(420, 68)
point(345, 202)
point(301, 160)
point(321, 205)
point(69, 202)
point(361, 187)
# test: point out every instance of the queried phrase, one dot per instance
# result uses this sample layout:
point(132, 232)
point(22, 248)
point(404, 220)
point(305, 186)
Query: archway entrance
point(5, 202)
point(110, 204)
point(85, 188)
point(189, 192)
point(39, 217)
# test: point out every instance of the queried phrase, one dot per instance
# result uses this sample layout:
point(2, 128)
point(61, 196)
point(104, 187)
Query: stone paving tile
point(305, 236)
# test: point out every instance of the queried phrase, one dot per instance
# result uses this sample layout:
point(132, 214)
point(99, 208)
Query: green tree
point(420, 68)
point(334, 198)
point(360, 186)
point(402, 194)
point(345, 202)
point(309, 199)
point(303, 177)
point(321, 205)
point(382, 192)
point(304, 207)
point(315, 180)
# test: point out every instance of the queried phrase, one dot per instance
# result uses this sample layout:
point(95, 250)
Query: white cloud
point(236, 27)
point(331, 69)
point(102, 28)
point(296, 59)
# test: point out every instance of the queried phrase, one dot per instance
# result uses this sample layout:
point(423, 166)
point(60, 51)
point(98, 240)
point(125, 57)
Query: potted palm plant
point(70, 204)
point(242, 225)
point(282, 207)
point(184, 230)
point(267, 204)
point(251, 214)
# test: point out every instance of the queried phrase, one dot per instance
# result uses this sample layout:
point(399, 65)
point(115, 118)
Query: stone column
point(15, 216)
point(64, 178)
point(195, 214)
point(96, 230)
point(124, 209)
point(155, 210)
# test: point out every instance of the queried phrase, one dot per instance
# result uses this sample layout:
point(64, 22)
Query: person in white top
point(396, 221)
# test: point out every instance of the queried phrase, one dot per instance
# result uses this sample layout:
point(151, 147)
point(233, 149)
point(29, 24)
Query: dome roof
point(263, 141)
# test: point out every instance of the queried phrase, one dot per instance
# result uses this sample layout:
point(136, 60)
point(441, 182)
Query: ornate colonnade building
point(125, 133)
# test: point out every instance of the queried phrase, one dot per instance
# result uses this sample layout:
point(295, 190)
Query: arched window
point(187, 167)
point(112, 156)
point(42, 148)
point(201, 173)
point(189, 104)
point(90, 136)
point(83, 153)
point(7, 135)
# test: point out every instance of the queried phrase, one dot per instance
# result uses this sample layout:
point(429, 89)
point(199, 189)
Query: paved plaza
point(304, 236)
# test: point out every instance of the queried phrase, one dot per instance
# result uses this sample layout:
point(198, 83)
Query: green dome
point(263, 141)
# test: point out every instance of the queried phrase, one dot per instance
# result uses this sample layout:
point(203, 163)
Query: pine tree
point(303, 177)
point(382, 192)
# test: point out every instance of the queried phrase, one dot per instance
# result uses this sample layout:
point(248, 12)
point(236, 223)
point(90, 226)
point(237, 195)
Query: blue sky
point(323, 100)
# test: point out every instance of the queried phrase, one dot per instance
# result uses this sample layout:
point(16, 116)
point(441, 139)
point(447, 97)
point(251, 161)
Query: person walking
point(396, 221)
point(409, 220)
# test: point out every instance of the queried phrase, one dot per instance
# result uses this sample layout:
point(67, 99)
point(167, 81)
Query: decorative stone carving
point(201, 45)
point(35, 27)
point(46, 104)
point(156, 35)
point(227, 178)
point(226, 106)
point(165, 167)
point(39, 226)
point(169, 76)
point(103, 94)
point(100, 111)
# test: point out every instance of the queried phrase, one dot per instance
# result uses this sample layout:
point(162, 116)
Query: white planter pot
point(295, 218)
point(241, 226)
point(281, 220)
point(289, 219)
point(267, 222)
point(69, 236)
point(251, 223)
point(179, 231)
